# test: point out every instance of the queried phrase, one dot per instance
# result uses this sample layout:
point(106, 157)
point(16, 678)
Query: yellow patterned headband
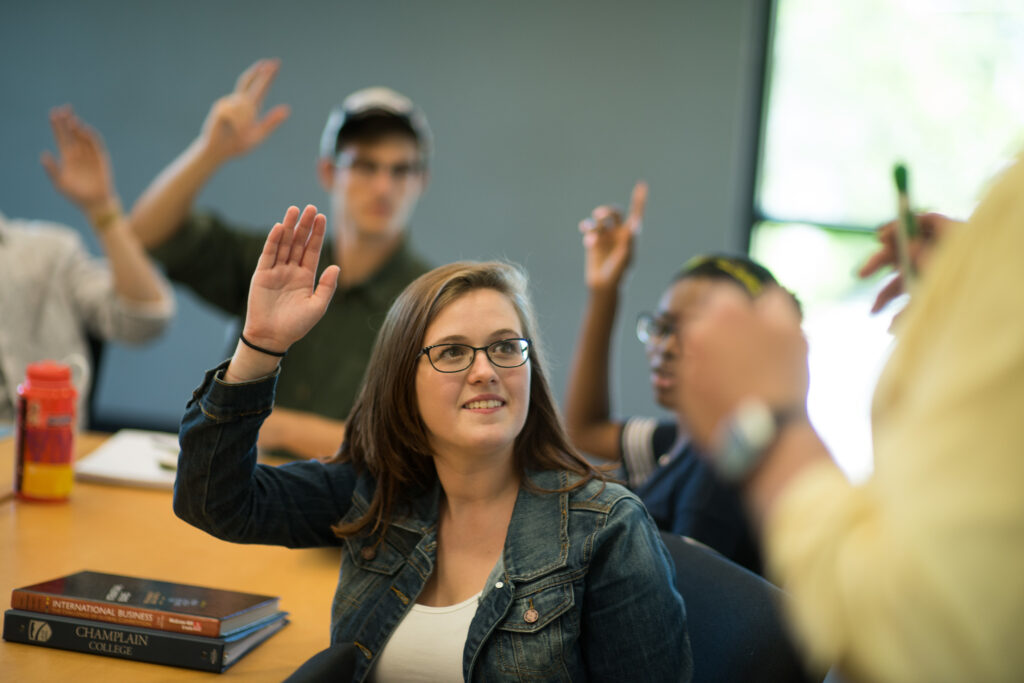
point(737, 271)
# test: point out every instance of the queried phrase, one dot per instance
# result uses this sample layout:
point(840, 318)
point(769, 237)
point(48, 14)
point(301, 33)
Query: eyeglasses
point(365, 169)
point(506, 353)
point(652, 328)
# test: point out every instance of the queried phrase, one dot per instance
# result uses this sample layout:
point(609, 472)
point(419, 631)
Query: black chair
point(95, 362)
point(734, 619)
point(105, 420)
point(334, 664)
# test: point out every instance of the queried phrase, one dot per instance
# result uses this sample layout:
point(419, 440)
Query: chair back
point(335, 664)
point(733, 617)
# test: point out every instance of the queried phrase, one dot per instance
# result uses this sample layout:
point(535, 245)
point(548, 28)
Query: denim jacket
point(583, 591)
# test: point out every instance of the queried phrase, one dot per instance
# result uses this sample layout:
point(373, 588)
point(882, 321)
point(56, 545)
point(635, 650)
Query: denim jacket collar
point(532, 548)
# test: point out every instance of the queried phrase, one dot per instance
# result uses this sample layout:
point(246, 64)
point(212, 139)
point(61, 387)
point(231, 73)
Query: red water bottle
point(44, 439)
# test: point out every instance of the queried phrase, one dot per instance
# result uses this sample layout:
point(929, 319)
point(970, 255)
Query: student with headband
point(660, 461)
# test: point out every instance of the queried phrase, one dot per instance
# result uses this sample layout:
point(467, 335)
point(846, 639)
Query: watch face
point(748, 432)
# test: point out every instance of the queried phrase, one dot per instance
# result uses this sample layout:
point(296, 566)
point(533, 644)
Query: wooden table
point(124, 530)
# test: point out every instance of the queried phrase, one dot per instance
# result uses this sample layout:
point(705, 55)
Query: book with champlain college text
point(139, 644)
point(146, 603)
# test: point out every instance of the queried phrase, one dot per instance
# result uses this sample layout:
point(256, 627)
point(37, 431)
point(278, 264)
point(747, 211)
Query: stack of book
point(142, 619)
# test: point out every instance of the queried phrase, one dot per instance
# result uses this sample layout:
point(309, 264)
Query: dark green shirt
point(323, 370)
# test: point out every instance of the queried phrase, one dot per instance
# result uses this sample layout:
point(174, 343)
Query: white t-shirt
point(427, 646)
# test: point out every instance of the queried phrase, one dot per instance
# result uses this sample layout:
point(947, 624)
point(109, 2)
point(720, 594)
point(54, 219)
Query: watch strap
point(749, 432)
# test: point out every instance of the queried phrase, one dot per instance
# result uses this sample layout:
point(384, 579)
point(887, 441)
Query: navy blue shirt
point(685, 497)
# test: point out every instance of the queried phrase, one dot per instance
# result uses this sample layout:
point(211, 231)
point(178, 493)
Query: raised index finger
point(637, 206)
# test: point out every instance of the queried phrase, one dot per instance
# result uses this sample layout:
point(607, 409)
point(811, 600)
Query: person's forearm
point(304, 434)
point(163, 206)
point(587, 405)
point(135, 277)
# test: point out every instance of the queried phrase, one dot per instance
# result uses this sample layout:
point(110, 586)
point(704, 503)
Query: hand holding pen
point(929, 231)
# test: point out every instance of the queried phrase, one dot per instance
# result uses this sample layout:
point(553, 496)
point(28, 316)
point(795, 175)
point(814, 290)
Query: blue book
point(141, 644)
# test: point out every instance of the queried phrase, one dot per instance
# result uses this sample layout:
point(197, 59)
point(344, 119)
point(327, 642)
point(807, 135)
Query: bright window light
point(853, 88)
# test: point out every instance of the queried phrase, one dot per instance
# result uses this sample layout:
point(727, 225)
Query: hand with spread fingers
point(931, 228)
point(608, 240)
point(235, 125)
point(285, 299)
point(81, 170)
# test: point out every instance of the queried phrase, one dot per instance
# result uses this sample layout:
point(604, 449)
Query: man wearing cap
point(372, 163)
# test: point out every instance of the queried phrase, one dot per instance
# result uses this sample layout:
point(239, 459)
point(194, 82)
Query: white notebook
point(132, 457)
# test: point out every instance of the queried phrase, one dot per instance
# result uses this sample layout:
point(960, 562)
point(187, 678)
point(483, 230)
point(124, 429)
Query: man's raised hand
point(234, 125)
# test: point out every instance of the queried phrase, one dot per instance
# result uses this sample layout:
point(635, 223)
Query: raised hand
point(234, 125)
point(608, 240)
point(931, 227)
point(81, 171)
point(285, 300)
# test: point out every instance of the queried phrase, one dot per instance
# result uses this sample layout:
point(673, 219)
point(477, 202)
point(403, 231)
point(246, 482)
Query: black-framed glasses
point(504, 353)
point(651, 328)
point(366, 169)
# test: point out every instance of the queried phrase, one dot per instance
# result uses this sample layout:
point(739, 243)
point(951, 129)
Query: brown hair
point(385, 436)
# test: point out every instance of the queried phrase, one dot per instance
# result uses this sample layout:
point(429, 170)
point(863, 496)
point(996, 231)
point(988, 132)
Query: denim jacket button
point(531, 615)
point(500, 584)
point(368, 553)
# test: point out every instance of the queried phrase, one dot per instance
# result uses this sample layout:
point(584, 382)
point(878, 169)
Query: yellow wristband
point(104, 220)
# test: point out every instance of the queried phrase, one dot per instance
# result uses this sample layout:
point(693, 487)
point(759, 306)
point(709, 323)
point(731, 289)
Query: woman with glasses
point(476, 543)
point(660, 463)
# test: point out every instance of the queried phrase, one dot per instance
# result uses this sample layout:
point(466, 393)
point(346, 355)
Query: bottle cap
point(48, 372)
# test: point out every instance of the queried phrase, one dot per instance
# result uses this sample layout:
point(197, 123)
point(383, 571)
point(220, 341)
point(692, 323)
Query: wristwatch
point(746, 435)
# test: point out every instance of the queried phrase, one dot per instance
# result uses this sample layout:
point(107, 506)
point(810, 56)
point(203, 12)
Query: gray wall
point(540, 110)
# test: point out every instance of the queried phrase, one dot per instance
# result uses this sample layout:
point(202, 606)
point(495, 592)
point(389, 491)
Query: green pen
point(906, 225)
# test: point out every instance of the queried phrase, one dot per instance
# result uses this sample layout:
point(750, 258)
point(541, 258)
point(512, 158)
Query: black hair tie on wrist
point(276, 354)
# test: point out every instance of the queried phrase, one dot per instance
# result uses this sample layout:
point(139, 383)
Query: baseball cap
point(372, 103)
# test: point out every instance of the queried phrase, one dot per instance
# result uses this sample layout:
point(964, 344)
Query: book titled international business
point(139, 644)
point(145, 603)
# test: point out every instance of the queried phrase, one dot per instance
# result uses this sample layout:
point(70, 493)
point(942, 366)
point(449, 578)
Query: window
point(853, 88)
